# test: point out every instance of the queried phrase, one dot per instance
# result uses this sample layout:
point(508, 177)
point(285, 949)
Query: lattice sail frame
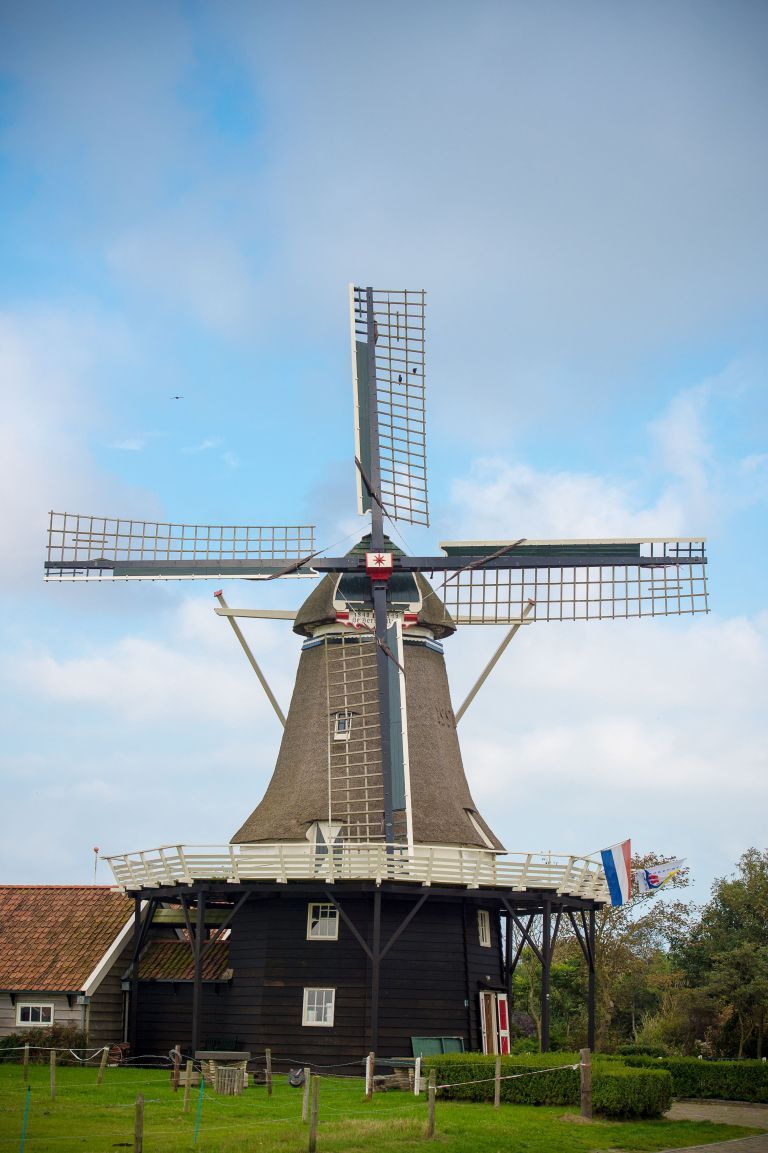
point(82, 547)
point(400, 398)
point(604, 591)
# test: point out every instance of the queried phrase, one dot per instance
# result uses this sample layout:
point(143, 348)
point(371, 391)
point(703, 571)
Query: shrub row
point(41, 1040)
point(617, 1091)
point(730, 1080)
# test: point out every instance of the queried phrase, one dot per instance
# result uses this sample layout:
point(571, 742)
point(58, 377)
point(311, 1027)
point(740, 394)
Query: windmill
point(369, 811)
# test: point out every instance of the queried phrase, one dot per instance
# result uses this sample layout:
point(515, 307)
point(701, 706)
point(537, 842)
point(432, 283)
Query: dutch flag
point(616, 863)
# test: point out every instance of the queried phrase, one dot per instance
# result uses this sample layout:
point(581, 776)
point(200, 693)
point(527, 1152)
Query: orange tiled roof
point(52, 937)
point(172, 961)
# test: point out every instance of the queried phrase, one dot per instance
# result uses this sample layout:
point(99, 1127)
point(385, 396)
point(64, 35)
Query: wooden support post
point(305, 1095)
point(585, 1068)
point(197, 985)
point(187, 1085)
point(313, 1114)
point(138, 1125)
point(102, 1065)
point(53, 1074)
point(25, 1063)
point(370, 1062)
point(431, 1092)
point(497, 1083)
point(176, 1067)
point(376, 965)
point(417, 1077)
point(591, 994)
point(268, 1071)
point(133, 995)
point(546, 969)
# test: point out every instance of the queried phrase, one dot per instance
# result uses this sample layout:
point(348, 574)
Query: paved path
point(728, 1113)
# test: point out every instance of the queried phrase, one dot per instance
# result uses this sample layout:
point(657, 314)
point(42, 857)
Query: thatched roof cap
point(319, 608)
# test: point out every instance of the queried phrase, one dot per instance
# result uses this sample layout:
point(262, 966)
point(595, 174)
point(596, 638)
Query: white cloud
point(50, 360)
point(189, 265)
point(587, 733)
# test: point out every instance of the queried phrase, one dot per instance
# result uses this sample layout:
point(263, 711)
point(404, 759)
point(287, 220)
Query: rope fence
point(219, 1109)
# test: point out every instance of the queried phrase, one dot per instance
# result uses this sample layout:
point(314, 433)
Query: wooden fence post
point(370, 1062)
point(497, 1083)
point(313, 1114)
point(25, 1063)
point(102, 1065)
point(305, 1097)
point(417, 1077)
point(138, 1125)
point(431, 1098)
point(188, 1085)
point(176, 1067)
point(53, 1074)
point(268, 1071)
point(585, 1068)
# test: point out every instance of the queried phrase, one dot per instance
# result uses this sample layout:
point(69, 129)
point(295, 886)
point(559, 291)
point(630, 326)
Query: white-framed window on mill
point(484, 927)
point(342, 726)
point(34, 1013)
point(322, 922)
point(318, 1007)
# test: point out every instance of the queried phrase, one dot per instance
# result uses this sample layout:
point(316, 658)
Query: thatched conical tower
point(327, 784)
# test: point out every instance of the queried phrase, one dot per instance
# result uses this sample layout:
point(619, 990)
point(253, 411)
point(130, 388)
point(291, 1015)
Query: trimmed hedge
point(729, 1080)
point(617, 1091)
point(41, 1039)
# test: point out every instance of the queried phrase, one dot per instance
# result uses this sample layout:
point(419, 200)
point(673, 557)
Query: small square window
point(322, 922)
point(318, 1007)
point(342, 726)
point(484, 927)
point(34, 1014)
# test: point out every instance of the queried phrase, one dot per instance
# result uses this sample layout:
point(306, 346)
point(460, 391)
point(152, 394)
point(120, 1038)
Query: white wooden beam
point(244, 644)
point(489, 667)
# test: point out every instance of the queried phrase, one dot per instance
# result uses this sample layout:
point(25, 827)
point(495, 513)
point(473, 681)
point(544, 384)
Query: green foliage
point(725, 958)
point(730, 1080)
point(617, 1091)
point(41, 1040)
point(638, 1050)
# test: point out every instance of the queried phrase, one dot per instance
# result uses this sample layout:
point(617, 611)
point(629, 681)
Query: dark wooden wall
point(430, 980)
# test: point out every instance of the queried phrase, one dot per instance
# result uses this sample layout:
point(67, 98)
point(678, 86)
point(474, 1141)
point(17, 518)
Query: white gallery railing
point(422, 864)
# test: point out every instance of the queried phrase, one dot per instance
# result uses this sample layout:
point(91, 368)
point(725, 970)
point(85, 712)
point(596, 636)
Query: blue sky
point(185, 192)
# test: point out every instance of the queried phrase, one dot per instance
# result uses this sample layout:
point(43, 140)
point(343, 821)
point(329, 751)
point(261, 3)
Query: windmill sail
point(82, 547)
point(387, 330)
point(575, 580)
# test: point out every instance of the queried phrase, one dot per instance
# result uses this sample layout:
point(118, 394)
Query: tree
point(725, 953)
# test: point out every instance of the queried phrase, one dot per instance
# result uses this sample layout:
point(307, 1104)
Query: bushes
point(730, 1080)
point(642, 1051)
point(41, 1041)
point(617, 1091)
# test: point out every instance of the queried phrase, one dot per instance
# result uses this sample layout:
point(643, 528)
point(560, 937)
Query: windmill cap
point(319, 607)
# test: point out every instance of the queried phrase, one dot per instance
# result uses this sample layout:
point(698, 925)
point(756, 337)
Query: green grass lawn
point(88, 1119)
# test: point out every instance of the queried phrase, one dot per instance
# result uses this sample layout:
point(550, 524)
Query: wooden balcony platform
point(423, 865)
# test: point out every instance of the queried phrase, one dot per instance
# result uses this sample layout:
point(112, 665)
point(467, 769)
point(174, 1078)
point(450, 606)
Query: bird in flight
point(177, 398)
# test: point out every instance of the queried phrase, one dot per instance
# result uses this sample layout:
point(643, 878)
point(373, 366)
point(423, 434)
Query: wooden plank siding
point(430, 980)
point(105, 1012)
point(63, 1014)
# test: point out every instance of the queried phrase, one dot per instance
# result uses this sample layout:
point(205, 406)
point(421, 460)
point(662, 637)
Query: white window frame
point(34, 1005)
point(484, 928)
point(342, 725)
point(331, 914)
point(305, 1008)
